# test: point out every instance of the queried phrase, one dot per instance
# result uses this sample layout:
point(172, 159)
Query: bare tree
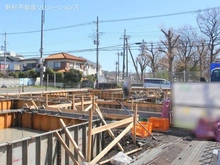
point(209, 24)
point(154, 58)
point(202, 51)
point(170, 45)
point(142, 59)
point(186, 58)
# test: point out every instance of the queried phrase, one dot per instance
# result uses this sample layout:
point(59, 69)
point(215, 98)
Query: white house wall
point(24, 63)
point(50, 63)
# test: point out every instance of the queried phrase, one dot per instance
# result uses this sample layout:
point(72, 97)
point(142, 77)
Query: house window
point(57, 65)
point(71, 65)
point(31, 65)
point(78, 65)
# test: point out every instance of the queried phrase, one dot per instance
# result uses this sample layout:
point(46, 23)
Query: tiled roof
point(63, 55)
point(10, 59)
point(30, 59)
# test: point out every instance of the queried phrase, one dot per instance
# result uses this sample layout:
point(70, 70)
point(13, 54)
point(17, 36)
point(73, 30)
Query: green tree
point(49, 72)
point(91, 77)
point(32, 73)
point(13, 74)
point(59, 76)
point(73, 76)
point(22, 74)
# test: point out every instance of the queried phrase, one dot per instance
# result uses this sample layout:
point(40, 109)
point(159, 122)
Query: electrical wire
point(52, 29)
point(113, 20)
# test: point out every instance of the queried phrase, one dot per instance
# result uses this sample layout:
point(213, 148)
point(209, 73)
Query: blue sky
point(25, 15)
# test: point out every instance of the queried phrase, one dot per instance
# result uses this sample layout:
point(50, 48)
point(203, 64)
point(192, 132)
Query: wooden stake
point(66, 148)
point(135, 125)
point(109, 131)
point(90, 130)
point(34, 104)
point(46, 100)
point(88, 108)
point(101, 154)
point(132, 105)
point(107, 127)
point(82, 103)
point(26, 105)
point(59, 110)
point(73, 102)
point(72, 141)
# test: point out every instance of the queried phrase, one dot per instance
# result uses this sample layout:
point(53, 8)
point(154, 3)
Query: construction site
point(94, 126)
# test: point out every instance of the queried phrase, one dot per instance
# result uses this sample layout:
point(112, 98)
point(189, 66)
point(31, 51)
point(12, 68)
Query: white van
point(156, 82)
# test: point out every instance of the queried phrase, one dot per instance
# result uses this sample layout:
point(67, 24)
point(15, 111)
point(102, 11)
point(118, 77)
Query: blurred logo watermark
point(32, 7)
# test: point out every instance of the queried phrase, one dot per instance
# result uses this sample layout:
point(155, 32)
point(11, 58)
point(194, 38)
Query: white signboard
point(196, 94)
point(193, 101)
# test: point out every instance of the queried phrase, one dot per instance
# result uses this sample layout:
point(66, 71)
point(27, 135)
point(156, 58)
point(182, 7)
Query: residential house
point(10, 63)
point(29, 63)
point(63, 62)
point(90, 67)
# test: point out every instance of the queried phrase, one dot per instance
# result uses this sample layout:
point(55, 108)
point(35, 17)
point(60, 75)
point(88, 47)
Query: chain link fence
point(186, 76)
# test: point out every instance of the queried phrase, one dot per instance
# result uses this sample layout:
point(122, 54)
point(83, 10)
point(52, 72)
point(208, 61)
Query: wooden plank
point(72, 141)
point(69, 152)
point(113, 102)
point(132, 105)
point(89, 147)
point(88, 108)
point(73, 101)
point(60, 105)
point(193, 153)
point(34, 104)
point(112, 125)
point(26, 105)
point(82, 103)
point(109, 130)
point(46, 100)
point(135, 123)
point(112, 144)
point(105, 115)
point(59, 110)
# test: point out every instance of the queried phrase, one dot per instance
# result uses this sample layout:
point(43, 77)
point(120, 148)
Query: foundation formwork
point(43, 111)
point(45, 148)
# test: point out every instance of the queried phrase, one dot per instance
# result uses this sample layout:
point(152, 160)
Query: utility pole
point(97, 53)
point(118, 67)
point(97, 42)
point(125, 55)
point(126, 39)
point(5, 51)
point(116, 71)
point(123, 71)
point(119, 54)
point(41, 45)
point(136, 68)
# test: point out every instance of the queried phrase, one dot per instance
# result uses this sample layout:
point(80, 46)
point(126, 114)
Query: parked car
point(86, 84)
point(156, 82)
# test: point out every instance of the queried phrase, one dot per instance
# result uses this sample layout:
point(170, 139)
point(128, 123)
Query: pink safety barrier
point(166, 109)
point(205, 129)
point(217, 130)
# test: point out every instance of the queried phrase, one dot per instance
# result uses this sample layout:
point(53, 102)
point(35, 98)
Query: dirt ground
point(148, 143)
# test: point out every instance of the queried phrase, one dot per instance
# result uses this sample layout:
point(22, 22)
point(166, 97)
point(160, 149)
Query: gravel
point(149, 143)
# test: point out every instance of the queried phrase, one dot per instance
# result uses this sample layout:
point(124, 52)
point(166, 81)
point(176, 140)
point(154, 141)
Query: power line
point(52, 29)
point(114, 20)
point(106, 48)
point(156, 16)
